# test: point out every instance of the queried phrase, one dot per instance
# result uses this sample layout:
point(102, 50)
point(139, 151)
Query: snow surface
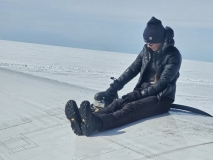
point(93, 69)
point(37, 80)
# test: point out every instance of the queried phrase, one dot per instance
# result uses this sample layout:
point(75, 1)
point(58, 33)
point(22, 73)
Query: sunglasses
point(150, 44)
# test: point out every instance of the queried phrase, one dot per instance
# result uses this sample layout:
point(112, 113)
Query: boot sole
point(84, 110)
point(72, 114)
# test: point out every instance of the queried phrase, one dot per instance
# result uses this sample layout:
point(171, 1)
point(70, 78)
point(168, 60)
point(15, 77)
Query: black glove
point(132, 96)
point(111, 92)
point(143, 86)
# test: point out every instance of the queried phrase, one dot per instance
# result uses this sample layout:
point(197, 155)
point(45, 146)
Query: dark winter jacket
point(167, 63)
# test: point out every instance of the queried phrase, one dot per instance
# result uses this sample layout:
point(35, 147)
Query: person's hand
point(132, 96)
point(143, 86)
point(111, 92)
point(146, 85)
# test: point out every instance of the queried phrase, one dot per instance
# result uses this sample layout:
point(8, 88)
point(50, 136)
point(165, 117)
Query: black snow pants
point(116, 115)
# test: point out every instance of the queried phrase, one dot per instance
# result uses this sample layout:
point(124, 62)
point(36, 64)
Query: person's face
point(154, 46)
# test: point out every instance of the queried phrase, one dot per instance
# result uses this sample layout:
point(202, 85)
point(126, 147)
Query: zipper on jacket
point(141, 77)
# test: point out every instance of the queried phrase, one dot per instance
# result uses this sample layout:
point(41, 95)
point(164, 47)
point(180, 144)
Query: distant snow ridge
point(60, 70)
point(195, 80)
point(53, 69)
point(75, 75)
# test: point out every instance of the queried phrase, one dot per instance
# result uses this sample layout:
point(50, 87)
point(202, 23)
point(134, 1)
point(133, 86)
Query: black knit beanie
point(154, 31)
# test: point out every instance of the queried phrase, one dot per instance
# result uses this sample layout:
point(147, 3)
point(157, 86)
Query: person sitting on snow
point(158, 64)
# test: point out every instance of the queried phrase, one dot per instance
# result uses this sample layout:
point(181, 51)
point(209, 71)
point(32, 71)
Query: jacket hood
point(169, 38)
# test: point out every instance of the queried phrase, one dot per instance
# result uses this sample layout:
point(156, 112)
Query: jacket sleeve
point(129, 73)
point(170, 71)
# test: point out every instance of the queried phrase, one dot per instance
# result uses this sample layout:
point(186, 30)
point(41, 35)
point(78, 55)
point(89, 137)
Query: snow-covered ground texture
point(93, 69)
point(36, 81)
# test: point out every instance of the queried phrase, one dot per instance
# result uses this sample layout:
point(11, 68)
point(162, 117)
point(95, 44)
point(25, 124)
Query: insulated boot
point(90, 122)
point(72, 114)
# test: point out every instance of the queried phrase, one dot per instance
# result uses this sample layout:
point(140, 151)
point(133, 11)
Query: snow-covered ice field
point(37, 81)
point(92, 69)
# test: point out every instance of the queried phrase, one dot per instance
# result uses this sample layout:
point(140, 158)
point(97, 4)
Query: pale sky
point(110, 25)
